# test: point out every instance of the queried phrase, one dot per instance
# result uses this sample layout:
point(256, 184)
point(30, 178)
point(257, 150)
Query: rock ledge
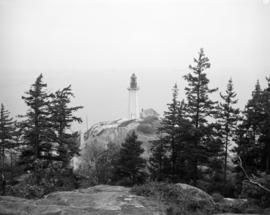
point(98, 200)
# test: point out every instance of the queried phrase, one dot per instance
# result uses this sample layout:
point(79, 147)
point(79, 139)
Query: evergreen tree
point(169, 129)
point(62, 116)
point(168, 152)
point(249, 135)
point(7, 131)
point(131, 165)
point(265, 128)
point(159, 161)
point(199, 108)
point(15, 151)
point(105, 163)
point(37, 132)
point(228, 117)
point(253, 111)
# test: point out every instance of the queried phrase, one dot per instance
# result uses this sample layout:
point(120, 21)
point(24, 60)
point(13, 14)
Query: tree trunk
point(11, 166)
point(173, 160)
point(267, 160)
point(195, 167)
point(2, 168)
point(226, 158)
point(195, 172)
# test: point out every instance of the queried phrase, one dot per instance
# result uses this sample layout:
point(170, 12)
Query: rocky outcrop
point(197, 198)
point(196, 194)
point(101, 134)
point(148, 112)
point(116, 131)
point(105, 199)
point(98, 200)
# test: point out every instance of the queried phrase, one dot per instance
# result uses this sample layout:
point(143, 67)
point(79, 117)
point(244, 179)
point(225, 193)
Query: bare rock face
point(116, 131)
point(148, 113)
point(196, 193)
point(98, 200)
point(97, 138)
point(197, 196)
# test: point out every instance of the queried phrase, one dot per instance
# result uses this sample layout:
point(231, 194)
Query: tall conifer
point(130, 165)
point(159, 161)
point(37, 132)
point(228, 117)
point(168, 151)
point(199, 108)
point(169, 128)
point(265, 128)
point(249, 132)
point(7, 138)
point(62, 117)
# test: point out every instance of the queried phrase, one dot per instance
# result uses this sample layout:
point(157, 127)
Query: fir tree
point(15, 151)
point(168, 152)
point(169, 128)
point(37, 132)
point(253, 110)
point(7, 131)
point(228, 117)
point(265, 128)
point(105, 163)
point(199, 108)
point(159, 161)
point(62, 116)
point(253, 137)
point(249, 132)
point(131, 165)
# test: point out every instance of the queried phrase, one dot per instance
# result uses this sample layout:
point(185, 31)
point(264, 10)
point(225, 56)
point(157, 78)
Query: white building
point(133, 105)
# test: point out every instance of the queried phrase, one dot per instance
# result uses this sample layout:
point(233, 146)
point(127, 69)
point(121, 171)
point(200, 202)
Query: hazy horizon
point(96, 45)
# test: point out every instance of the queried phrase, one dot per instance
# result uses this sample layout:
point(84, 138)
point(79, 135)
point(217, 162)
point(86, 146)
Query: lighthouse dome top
point(133, 82)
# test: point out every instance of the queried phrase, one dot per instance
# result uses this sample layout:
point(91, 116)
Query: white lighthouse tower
point(133, 106)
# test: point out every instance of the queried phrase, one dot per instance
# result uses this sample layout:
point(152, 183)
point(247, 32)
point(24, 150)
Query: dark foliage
point(37, 131)
point(174, 200)
point(130, 167)
point(7, 138)
point(167, 161)
point(202, 148)
point(62, 116)
point(159, 161)
point(46, 143)
point(106, 163)
point(228, 116)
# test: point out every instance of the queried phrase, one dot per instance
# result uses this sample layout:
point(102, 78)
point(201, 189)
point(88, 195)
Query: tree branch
point(252, 180)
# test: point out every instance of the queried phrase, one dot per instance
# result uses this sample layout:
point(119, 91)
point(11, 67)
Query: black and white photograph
point(134, 107)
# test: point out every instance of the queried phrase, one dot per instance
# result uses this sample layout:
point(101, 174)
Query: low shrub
point(226, 190)
point(86, 181)
point(125, 181)
point(255, 193)
point(25, 190)
point(46, 179)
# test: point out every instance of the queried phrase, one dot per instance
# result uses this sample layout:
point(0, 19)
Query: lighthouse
point(133, 106)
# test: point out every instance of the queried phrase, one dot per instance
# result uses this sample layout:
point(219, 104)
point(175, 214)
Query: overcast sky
point(96, 45)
